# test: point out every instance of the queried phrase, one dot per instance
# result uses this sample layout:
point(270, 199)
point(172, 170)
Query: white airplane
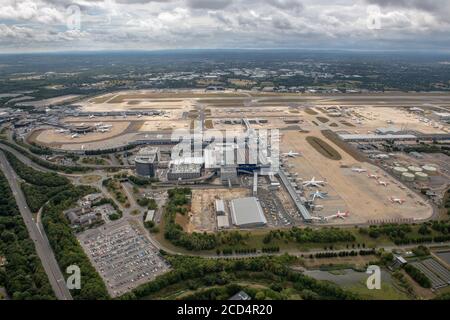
point(339, 214)
point(383, 183)
point(397, 200)
point(62, 131)
point(98, 124)
point(313, 183)
point(373, 176)
point(75, 135)
point(139, 115)
point(291, 154)
point(103, 130)
point(91, 116)
point(359, 170)
point(318, 194)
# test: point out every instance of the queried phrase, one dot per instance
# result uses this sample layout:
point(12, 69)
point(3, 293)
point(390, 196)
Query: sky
point(66, 25)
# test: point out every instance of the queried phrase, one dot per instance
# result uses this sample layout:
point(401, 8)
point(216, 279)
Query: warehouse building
point(220, 207)
point(247, 213)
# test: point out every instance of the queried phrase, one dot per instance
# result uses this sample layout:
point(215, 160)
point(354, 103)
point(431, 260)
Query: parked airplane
point(75, 135)
point(383, 183)
point(103, 130)
point(91, 116)
point(291, 154)
point(313, 183)
point(359, 170)
point(339, 214)
point(62, 131)
point(139, 115)
point(397, 200)
point(318, 194)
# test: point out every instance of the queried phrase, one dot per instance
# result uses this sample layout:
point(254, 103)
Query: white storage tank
point(421, 176)
point(414, 169)
point(408, 177)
point(398, 171)
point(430, 170)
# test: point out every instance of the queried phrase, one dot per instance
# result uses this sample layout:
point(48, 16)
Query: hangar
point(247, 213)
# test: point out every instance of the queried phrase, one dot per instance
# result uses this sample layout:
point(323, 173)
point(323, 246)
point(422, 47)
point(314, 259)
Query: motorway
point(37, 235)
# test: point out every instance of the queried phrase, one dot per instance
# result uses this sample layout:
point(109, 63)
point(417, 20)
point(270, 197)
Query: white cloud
point(155, 24)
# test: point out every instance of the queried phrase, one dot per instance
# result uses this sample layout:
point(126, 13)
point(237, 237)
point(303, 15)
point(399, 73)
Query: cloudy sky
point(62, 25)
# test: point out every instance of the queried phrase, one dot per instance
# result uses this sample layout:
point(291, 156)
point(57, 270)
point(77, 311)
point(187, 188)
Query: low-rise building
point(247, 213)
point(184, 171)
point(150, 215)
point(220, 207)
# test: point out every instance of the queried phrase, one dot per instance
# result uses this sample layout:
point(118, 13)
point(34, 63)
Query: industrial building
point(223, 222)
point(220, 207)
point(388, 130)
point(184, 171)
point(247, 213)
point(377, 137)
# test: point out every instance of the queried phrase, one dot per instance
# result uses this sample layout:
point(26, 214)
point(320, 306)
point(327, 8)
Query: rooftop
point(146, 151)
point(186, 168)
point(241, 295)
point(146, 159)
point(247, 211)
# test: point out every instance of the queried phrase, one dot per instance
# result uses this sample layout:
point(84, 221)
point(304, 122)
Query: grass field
point(323, 148)
point(348, 124)
point(388, 291)
point(89, 179)
point(323, 119)
point(311, 112)
point(353, 152)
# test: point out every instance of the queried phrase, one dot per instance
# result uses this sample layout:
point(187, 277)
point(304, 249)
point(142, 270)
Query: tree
point(260, 295)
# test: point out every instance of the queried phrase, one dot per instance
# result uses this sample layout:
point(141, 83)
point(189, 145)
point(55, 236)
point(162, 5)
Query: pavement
point(37, 235)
